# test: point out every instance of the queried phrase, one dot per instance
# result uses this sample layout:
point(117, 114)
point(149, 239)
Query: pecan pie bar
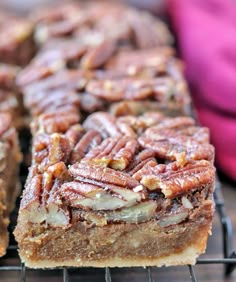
point(92, 21)
point(118, 191)
point(16, 39)
point(9, 188)
point(10, 98)
point(132, 82)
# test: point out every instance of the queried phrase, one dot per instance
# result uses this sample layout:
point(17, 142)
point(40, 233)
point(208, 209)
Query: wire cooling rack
point(11, 262)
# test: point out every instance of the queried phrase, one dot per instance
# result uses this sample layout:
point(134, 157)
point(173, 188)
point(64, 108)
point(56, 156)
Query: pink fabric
point(206, 33)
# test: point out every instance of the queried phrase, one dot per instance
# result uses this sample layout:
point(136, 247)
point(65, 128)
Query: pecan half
point(98, 56)
point(41, 202)
point(62, 80)
point(87, 142)
point(140, 61)
point(31, 199)
point(178, 139)
point(90, 196)
point(49, 150)
point(89, 172)
point(107, 125)
point(50, 60)
point(60, 23)
point(115, 25)
point(106, 89)
point(114, 152)
point(126, 129)
point(140, 160)
point(148, 31)
point(58, 121)
point(176, 180)
point(103, 123)
point(178, 148)
point(116, 90)
point(162, 89)
point(74, 133)
point(46, 102)
point(177, 122)
point(59, 171)
point(196, 133)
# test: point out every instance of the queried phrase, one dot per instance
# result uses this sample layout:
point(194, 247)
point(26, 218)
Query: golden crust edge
point(187, 256)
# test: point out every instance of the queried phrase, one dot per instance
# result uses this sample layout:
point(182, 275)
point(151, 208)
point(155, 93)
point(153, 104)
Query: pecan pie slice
point(126, 25)
point(118, 191)
point(132, 185)
point(16, 39)
point(10, 98)
point(9, 187)
point(148, 87)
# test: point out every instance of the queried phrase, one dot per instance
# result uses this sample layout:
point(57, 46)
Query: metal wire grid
point(229, 256)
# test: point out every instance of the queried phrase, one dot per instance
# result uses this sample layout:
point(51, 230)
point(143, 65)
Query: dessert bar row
point(155, 83)
point(118, 191)
point(120, 176)
point(10, 157)
point(21, 37)
point(16, 49)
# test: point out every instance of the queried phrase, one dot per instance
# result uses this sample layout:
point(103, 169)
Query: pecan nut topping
point(103, 123)
point(74, 133)
point(50, 149)
point(137, 61)
point(178, 139)
point(87, 142)
point(140, 160)
point(148, 31)
point(161, 89)
point(117, 89)
point(62, 80)
point(113, 152)
point(91, 196)
point(90, 173)
point(177, 122)
point(41, 201)
point(99, 55)
point(46, 102)
point(179, 148)
point(174, 180)
point(56, 122)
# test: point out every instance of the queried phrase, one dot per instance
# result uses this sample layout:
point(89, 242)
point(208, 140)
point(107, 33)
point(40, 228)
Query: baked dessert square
point(92, 21)
point(118, 191)
point(132, 83)
point(16, 39)
point(10, 157)
point(11, 101)
point(120, 176)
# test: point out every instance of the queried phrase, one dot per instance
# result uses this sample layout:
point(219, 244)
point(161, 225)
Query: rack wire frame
point(228, 259)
